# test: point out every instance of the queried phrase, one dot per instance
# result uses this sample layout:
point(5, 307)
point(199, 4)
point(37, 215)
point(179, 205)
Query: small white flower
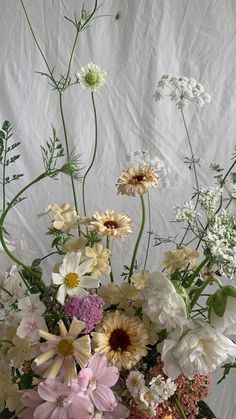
point(199, 348)
point(182, 91)
point(30, 306)
point(91, 77)
point(71, 277)
point(135, 382)
point(30, 326)
point(149, 397)
point(186, 213)
point(209, 198)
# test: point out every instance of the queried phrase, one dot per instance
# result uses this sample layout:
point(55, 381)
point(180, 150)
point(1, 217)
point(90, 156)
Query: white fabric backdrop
point(194, 38)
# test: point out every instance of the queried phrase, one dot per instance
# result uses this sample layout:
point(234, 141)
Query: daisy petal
point(73, 261)
point(76, 327)
point(61, 294)
point(45, 357)
point(57, 279)
point(54, 368)
point(84, 267)
point(88, 282)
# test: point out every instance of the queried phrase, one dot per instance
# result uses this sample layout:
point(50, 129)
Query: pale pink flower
point(31, 400)
point(30, 326)
point(31, 305)
point(62, 402)
point(102, 378)
point(119, 412)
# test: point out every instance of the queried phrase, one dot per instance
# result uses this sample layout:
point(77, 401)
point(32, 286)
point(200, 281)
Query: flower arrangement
point(142, 346)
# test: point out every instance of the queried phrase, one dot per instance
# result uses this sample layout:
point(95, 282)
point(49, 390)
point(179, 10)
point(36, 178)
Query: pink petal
point(82, 408)
point(48, 390)
point(97, 363)
point(31, 398)
point(83, 378)
point(61, 413)
point(104, 374)
point(44, 411)
point(103, 398)
point(120, 411)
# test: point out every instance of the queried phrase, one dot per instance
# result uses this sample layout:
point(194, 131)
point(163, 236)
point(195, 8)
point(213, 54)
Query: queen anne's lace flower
point(182, 91)
point(186, 213)
point(209, 198)
point(91, 77)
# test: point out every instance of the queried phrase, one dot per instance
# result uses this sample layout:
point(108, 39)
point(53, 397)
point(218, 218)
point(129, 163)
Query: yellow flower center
point(65, 347)
point(72, 280)
point(149, 397)
point(92, 78)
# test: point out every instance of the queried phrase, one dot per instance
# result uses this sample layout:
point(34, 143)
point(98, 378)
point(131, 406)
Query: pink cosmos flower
point(31, 400)
point(63, 402)
point(119, 412)
point(101, 378)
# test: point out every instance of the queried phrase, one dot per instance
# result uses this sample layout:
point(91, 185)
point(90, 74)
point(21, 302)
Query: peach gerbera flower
point(123, 339)
point(111, 224)
point(137, 180)
point(66, 350)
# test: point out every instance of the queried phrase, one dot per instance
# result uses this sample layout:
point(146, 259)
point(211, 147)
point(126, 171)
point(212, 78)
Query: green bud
point(218, 301)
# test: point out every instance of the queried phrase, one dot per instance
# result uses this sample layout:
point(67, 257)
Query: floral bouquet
point(142, 346)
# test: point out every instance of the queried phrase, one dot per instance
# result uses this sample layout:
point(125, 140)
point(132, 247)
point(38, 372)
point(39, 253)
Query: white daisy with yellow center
point(71, 277)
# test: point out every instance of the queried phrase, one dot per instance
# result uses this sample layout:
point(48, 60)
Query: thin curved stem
point(71, 57)
point(36, 41)
point(94, 153)
point(197, 271)
point(6, 291)
point(138, 239)
point(108, 247)
point(67, 148)
point(4, 214)
point(149, 230)
point(200, 289)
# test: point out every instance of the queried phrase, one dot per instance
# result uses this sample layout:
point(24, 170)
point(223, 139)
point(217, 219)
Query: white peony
point(227, 323)
point(199, 348)
point(162, 304)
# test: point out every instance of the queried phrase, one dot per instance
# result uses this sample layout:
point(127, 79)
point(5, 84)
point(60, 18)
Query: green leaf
point(6, 125)
point(1, 146)
point(2, 135)
point(230, 290)
point(219, 302)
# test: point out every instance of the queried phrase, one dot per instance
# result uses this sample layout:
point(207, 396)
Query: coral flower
point(123, 339)
point(66, 350)
point(137, 180)
point(111, 224)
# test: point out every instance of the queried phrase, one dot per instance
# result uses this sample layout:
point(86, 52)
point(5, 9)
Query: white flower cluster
point(151, 395)
point(182, 91)
point(209, 198)
point(142, 158)
point(221, 237)
point(186, 213)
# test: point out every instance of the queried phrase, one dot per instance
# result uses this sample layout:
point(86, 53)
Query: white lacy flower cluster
point(186, 213)
point(209, 197)
point(143, 157)
point(182, 91)
point(221, 237)
point(150, 395)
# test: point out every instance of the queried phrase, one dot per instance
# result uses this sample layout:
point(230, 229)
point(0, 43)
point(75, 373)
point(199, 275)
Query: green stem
point(94, 152)
point(108, 247)
point(149, 230)
point(67, 148)
point(5, 341)
point(200, 289)
point(179, 407)
point(4, 178)
point(71, 57)
point(138, 238)
point(4, 214)
point(196, 272)
point(5, 290)
point(192, 154)
point(37, 43)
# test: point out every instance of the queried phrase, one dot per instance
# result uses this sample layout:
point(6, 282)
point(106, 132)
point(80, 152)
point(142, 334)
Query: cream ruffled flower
point(21, 351)
point(120, 295)
point(9, 391)
point(91, 77)
point(137, 180)
point(199, 348)
point(64, 217)
point(74, 245)
point(100, 257)
point(111, 224)
point(123, 339)
point(176, 259)
point(71, 277)
point(139, 279)
point(67, 350)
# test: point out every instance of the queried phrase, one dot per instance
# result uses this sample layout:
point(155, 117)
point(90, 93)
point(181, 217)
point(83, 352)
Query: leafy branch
point(51, 153)
point(5, 159)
